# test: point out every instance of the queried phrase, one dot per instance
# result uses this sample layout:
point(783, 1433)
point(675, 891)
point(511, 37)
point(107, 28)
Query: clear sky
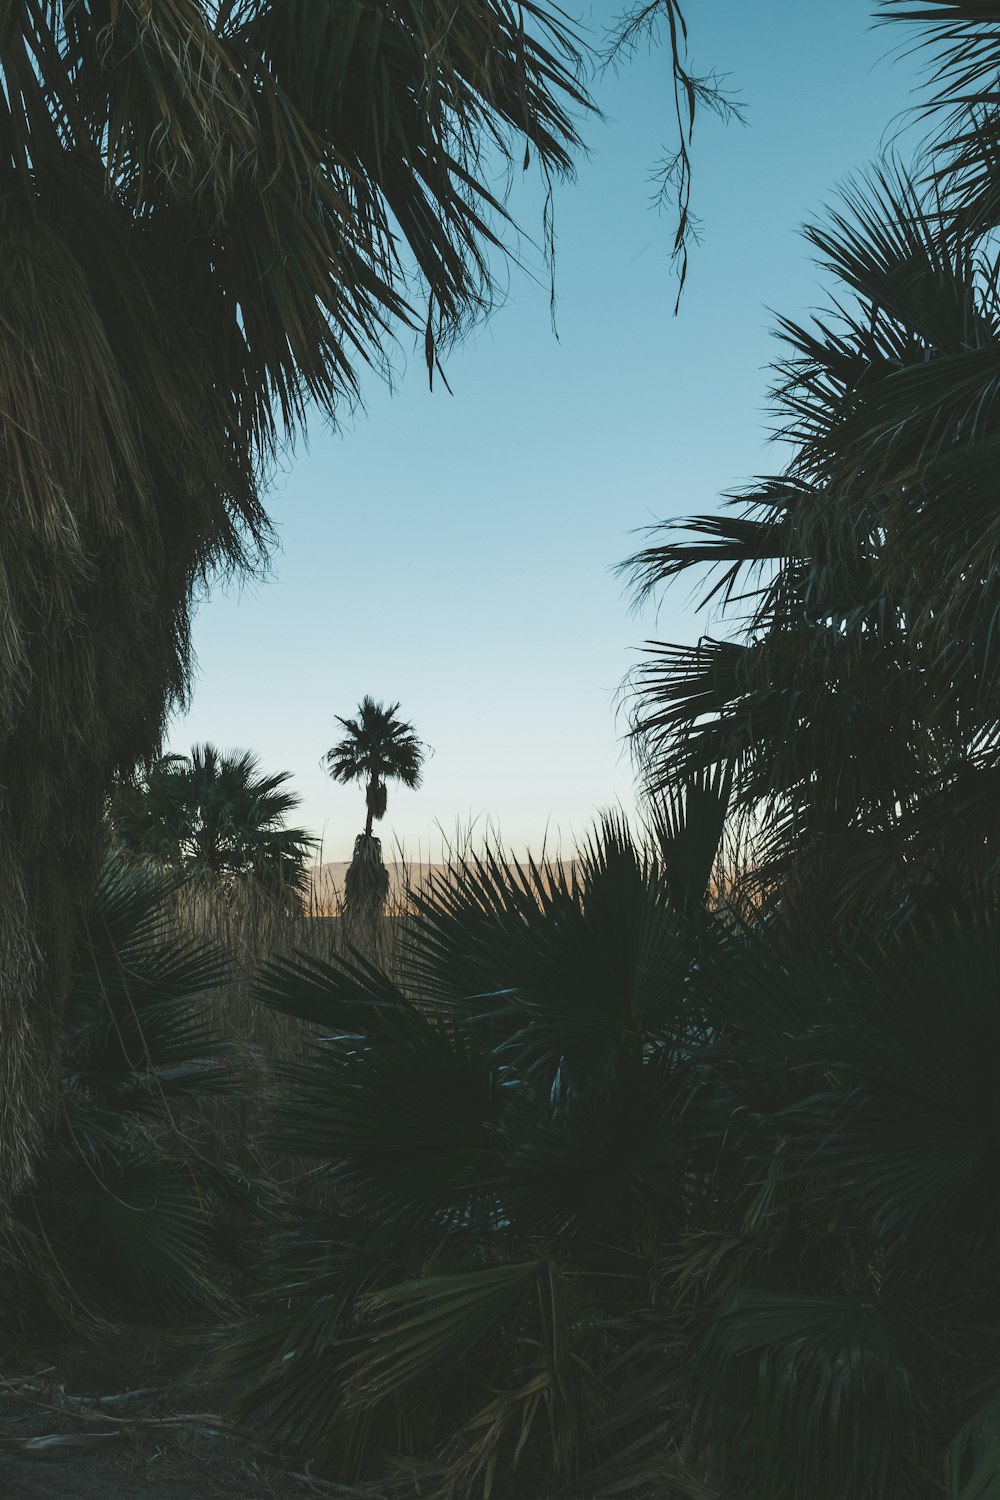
point(454, 552)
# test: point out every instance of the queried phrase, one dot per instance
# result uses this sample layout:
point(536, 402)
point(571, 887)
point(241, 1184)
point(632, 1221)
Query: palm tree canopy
point(378, 747)
point(300, 140)
point(217, 813)
point(856, 699)
point(853, 687)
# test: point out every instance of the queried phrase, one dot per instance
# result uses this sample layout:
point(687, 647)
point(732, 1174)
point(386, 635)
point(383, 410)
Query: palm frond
point(581, 963)
point(972, 1459)
point(906, 1133)
point(138, 1029)
point(402, 1121)
point(816, 1395)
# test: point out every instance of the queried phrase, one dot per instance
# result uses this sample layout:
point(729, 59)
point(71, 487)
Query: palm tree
point(855, 693)
point(377, 748)
point(217, 815)
point(856, 698)
point(216, 214)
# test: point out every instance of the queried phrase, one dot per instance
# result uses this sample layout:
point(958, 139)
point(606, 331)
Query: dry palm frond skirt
point(121, 483)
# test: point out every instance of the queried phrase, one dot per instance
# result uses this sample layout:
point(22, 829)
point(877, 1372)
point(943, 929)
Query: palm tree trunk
point(88, 658)
point(44, 872)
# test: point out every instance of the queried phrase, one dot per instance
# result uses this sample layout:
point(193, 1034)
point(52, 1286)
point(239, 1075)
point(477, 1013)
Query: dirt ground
point(126, 1425)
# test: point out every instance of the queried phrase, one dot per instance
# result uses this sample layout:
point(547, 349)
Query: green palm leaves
point(126, 1211)
point(826, 1396)
point(216, 816)
point(499, 1147)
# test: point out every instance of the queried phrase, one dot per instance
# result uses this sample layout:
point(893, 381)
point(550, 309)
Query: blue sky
point(455, 552)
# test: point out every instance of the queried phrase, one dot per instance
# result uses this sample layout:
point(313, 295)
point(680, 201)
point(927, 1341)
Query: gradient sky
point(454, 552)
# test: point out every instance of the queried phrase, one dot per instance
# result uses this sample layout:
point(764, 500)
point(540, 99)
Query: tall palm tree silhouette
point(378, 747)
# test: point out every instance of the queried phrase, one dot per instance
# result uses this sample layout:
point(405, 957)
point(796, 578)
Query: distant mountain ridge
point(327, 881)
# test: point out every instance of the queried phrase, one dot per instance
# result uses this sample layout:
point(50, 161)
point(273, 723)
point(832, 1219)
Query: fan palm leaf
point(126, 1210)
point(972, 1461)
point(823, 1395)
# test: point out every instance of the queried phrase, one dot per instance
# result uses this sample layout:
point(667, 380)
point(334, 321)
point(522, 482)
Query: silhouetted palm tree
point(377, 748)
point(857, 697)
point(215, 814)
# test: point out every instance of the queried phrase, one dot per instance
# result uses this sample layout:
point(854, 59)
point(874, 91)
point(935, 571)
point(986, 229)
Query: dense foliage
point(854, 694)
point(629, 1196)
point(641, 1176)
point(128, 1212)
point(605, 1190)
point(494, 1132)
point(215, 816)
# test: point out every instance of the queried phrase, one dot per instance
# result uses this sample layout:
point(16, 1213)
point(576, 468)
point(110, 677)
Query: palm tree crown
point(377, 748)
point(216, 813)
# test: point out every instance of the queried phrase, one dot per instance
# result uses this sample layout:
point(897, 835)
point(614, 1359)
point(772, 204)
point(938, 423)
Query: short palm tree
point(217, 815)
point(216, 214)
point(377, 748)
